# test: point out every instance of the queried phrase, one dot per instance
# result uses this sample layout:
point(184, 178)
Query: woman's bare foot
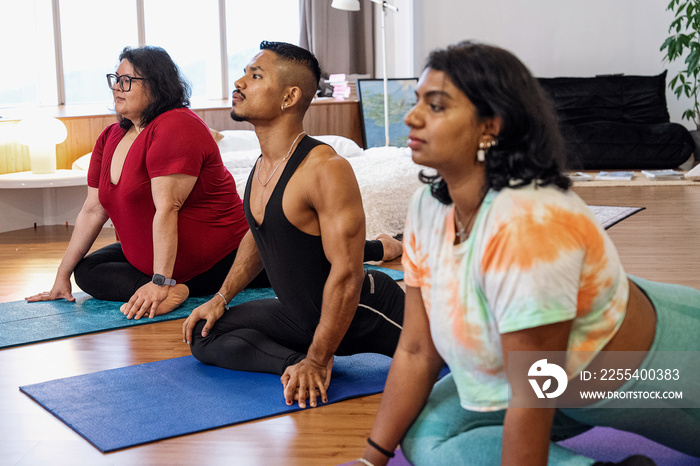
point(393, 248)
point(177, 294)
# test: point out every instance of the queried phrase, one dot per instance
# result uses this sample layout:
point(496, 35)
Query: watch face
point(159, 279)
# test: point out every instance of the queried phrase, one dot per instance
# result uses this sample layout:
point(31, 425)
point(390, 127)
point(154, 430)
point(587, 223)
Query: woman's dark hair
point(530, 147)
point(162, 79)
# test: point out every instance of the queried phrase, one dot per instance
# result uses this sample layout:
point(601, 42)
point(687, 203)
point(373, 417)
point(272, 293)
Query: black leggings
point(265, 336)
point(106, 274)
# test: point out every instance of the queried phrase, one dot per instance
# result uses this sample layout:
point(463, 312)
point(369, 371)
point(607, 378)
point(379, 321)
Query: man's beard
point(237, 117)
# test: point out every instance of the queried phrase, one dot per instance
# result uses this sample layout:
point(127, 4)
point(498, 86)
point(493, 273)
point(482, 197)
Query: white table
point(28, 199)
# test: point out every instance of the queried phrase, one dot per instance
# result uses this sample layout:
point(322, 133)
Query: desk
point(27, 199)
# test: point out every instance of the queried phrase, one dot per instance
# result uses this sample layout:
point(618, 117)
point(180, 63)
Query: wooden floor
point(659, 243)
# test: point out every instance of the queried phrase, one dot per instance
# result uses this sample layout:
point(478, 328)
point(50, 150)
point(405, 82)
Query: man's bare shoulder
point(328, 179)
point(324, 162)
point(323, 186)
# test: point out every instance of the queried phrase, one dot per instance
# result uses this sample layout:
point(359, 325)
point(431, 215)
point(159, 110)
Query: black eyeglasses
point(124, 81)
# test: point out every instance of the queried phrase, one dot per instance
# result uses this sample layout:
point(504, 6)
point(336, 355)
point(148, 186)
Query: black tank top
point(294, 261)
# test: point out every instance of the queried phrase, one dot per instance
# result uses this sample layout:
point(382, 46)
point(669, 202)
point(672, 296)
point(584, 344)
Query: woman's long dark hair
point(530, 147)
point(162, 78)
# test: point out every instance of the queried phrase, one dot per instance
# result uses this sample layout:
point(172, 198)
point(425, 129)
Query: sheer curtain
point(343, 41)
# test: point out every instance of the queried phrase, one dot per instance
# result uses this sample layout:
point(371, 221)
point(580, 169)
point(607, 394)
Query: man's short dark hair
point(296, 54)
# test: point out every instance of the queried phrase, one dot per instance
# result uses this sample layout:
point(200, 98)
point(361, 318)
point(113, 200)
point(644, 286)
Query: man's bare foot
point(393, 248)
point(177, 294)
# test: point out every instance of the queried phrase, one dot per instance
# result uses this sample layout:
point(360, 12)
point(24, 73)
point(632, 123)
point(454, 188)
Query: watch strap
point(162, 280)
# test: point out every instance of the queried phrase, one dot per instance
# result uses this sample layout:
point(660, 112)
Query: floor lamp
point(354, 5)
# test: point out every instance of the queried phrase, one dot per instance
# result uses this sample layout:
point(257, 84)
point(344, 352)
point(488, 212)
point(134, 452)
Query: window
point(189, 32)
point(247, 26)
point(93, 33)
point(29, 65)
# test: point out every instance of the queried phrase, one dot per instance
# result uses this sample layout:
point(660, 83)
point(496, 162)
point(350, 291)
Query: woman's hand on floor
point(145, 301)
point(61, 290)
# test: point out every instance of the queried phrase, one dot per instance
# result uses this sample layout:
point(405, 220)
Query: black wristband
point(387, 453)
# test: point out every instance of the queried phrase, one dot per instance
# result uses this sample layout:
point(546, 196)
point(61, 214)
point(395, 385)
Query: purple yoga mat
point(606, 444)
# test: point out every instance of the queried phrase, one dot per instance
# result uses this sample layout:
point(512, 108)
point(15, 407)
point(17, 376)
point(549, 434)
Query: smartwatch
point(160, 280)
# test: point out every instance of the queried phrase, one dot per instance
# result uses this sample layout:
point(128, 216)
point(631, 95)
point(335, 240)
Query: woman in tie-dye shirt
point(502, 259)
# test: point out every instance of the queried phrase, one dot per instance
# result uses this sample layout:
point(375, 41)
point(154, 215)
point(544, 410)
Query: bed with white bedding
point(386, 175)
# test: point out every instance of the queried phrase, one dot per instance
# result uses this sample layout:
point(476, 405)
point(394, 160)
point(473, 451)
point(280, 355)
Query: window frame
point(141, 31)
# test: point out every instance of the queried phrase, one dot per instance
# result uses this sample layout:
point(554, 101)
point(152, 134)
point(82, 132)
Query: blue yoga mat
point(22, 323)
point(133, 405)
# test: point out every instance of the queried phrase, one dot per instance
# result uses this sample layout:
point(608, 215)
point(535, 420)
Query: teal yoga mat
point(22, 323)
point(134, 405)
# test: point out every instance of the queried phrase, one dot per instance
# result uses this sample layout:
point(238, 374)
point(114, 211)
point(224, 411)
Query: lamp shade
point(42, 130)
point(42, 134)
point(348, 5)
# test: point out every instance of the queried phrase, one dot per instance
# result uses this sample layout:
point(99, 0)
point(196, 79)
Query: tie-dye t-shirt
point(535, 256)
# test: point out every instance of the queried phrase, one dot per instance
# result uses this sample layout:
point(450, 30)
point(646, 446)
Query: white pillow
point(238, 139)
point(343, 146)
point(83, 163)
point(694, 174)
point(240, 163)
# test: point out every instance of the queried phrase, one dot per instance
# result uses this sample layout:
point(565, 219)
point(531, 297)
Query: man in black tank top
point(307, 230)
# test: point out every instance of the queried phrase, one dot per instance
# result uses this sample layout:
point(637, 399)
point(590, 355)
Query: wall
point(552, 37)
point(400, 42)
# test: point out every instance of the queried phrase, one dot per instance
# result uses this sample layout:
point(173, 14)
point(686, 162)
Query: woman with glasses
point(158, 176)
point(513, 283)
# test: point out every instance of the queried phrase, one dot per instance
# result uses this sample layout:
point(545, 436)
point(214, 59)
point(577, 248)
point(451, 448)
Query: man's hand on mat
point(60, 289)
point(307, 378)
point(145, 301)
point(211, 311)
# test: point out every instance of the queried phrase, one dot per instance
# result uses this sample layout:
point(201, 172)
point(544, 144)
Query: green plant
point(685, 39)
